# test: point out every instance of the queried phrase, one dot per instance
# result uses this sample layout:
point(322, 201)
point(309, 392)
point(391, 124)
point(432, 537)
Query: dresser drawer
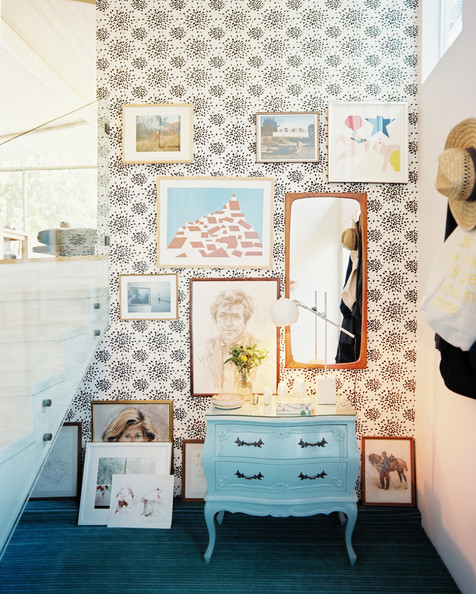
point(280, 442)
point(302, 479)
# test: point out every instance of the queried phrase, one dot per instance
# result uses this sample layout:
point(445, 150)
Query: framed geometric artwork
point(103, 460)
point(60, 477)
point(130, 421)
point(291, 137)
point(148, 296)
point(368, 142)
point(194, 485)
point(388, 471)
point(216, 221)
point(157, 133)
point(225, 312)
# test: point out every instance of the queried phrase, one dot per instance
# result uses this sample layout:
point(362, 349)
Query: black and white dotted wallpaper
point(231, 59)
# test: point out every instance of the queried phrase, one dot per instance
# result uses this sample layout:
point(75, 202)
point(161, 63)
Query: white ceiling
point(47, 69)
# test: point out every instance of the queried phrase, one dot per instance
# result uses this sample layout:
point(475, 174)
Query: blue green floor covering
point(50, 553)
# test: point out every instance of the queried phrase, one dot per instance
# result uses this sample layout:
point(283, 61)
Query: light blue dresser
point(258, 463)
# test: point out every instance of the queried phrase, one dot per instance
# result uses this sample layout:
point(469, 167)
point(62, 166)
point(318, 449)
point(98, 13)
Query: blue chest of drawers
point(260, 464)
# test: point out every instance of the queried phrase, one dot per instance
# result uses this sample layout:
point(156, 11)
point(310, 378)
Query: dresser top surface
point(261, 410)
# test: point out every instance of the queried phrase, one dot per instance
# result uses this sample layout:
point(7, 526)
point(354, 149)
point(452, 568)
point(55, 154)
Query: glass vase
point(245, 387)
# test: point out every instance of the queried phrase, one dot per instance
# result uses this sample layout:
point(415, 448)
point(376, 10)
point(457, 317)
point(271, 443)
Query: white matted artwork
point(368, 142)
point(103, 460)
point(148, 296)
point(216, 221)
point(194, 484)
point(141, 501)
point(161, 133)
point(225, 312)
point(60, 476)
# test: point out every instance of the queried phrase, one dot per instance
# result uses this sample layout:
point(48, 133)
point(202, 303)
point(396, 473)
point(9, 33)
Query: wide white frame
point(182, 112)
point(373, 151)
point(160, 452)
point(156, 307)
point(189, 205)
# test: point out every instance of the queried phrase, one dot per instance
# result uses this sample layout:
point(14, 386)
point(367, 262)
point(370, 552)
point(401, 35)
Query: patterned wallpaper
point(231, 59)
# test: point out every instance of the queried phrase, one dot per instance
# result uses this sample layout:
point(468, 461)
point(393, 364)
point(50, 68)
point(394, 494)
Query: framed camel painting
point(388, 471)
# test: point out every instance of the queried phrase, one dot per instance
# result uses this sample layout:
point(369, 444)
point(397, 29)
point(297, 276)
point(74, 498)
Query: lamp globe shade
point(284, 312)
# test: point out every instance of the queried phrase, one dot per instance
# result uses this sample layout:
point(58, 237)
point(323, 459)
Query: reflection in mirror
point(326, 268)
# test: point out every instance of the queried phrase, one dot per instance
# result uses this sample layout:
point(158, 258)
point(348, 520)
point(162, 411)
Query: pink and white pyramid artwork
point(223, 234)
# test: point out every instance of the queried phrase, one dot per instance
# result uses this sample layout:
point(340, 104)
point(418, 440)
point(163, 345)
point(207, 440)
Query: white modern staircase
point(52, 315)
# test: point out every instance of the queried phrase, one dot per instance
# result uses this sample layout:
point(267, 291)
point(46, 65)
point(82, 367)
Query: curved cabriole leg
point(210, 522)
point(349, 529)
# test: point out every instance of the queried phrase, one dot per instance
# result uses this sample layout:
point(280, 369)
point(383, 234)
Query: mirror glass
point(326, 268)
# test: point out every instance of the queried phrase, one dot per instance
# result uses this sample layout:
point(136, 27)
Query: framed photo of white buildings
point(287, 137)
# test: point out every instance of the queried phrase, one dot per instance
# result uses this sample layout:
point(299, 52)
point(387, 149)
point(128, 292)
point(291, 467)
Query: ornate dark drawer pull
point(312, 478)
point(258, 476)
point(319, 444)
point(256, 444)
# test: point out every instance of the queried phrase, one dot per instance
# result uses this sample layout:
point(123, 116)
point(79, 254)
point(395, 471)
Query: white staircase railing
point(52, 315)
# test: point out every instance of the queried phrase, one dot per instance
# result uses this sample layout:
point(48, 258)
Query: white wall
point(445, 422)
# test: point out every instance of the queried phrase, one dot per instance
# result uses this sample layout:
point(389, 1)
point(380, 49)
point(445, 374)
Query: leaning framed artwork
point(225, 312)
point(132, 420)
point(194, 484)
point(368, 142)
point(388, 471)
point(216, 221)
point(161, 133)
point(148, 296)
point(103, 460)
point(60, 477)
point(291, 137)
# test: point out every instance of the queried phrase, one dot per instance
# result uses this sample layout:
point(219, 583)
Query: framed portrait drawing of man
point(130, 421)
point(226, 312)
point(388, 471)
point(103, 461)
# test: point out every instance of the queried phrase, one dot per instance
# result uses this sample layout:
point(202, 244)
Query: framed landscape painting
point(388, 471)
point(148, 296)
point(287, 137)
point(216, 221)
point(224, 312)
point(368, 142)
point(157, 133)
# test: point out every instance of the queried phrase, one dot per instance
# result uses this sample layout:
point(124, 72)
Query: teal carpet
point(50, 553)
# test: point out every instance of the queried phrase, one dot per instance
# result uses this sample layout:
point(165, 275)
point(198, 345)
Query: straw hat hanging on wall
point(456, 176)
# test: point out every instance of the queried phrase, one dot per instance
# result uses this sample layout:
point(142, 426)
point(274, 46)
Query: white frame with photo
point(194, 484)
point(153, 288)
point(160, 411)
point(291, 144)
point(368, 142)
point(193, 230)
point(203, 293)
point(157, 454)
point(183, 113)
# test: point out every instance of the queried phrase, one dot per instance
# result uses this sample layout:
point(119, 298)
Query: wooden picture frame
point(148, 296)
point(214, 221)
point(389, 482)
point(247, 302)
point(368, 142)
point(60, 477)
point(287, 137)
point(109, 419)
point(194, 484)
point(157, 133)
point(103, 460)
